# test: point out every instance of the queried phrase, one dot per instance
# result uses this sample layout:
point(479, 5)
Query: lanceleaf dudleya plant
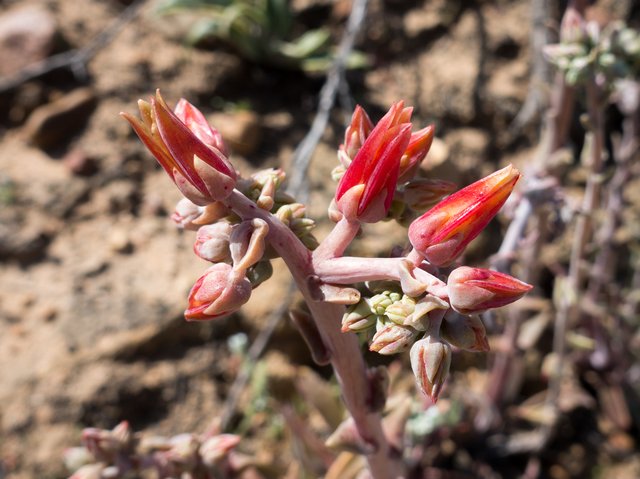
point(418, 301)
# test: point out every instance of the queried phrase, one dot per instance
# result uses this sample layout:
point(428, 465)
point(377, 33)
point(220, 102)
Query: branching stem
point(345, 353)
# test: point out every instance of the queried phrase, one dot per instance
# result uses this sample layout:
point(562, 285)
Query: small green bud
point(380, 302)
point(259, 273)
point(606, 60)
point(400, 310)
point(358, 317)
point(337, 173)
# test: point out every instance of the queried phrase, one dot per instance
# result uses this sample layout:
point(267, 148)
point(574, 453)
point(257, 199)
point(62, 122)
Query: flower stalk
point(246, 222)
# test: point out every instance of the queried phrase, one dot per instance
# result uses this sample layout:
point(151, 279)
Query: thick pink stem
point(346, 357)
point(336, 243)
point(349, 270)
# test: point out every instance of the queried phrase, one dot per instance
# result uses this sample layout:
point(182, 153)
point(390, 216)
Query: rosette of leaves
point(613, 53)
point(260, 31)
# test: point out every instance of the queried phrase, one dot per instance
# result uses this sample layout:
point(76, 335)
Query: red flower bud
point(367, 187)
point(356, 133)
point(218, 292)
point(416, 151)
point(186, 149)
point(473, 290)
point(442, 233)
point(197, 123)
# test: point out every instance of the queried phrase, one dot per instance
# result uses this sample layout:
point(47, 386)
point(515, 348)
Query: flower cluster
point(418, 301)
point(426, 310)
point(121, 453)
point(194, 155)
point(378, 167)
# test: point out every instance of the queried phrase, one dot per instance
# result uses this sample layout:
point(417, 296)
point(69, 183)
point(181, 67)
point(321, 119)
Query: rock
point(24, 242)
point(120, 242)
point(79, 163)
point(46, 313)
point(241, 130)
point(54, 122)
point(27, 35)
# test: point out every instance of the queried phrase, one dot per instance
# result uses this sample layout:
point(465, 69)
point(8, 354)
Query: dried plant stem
point(628, 148)
point(345, 355)
point(568, 309)
point(504, 359)
point(603, 271)
point(538, 191)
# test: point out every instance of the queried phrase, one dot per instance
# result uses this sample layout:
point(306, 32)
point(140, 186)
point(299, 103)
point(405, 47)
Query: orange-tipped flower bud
point(197, 123)
point(367, 187)
point(442, 233)
point(416, 151)
point(392, 339)
point(430, 361)
point(474, 290)
point(218, 292)
point(189, 152)
point(355, 135)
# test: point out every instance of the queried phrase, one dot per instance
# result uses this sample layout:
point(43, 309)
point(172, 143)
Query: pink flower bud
point(464, 332)
point(442, 233)
point(197, 123)
point(367, 187)
point(214, 449)
point(430, 361)
point(474, 290)
point(191, 158)
point(218, 292)
point(392, 339)
point(186, 213)
point(417, 149)
point(212, 242)
point(183, 451)
point(105, 444)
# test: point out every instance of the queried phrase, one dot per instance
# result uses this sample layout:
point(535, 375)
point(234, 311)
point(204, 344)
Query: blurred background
point(95, 276)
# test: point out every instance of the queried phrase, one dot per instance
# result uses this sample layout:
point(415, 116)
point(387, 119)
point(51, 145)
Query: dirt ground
point(94, 275)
